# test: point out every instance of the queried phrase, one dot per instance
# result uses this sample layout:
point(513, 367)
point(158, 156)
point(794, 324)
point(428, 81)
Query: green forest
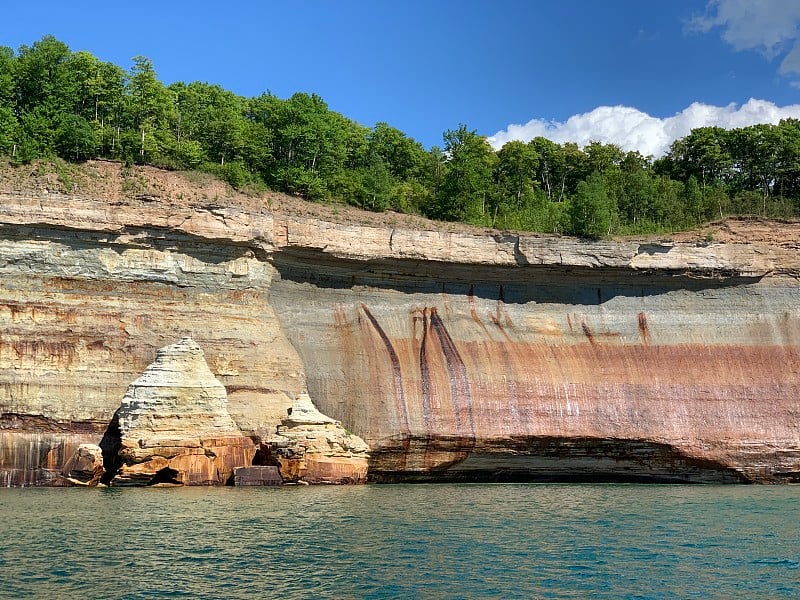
point(58, 103)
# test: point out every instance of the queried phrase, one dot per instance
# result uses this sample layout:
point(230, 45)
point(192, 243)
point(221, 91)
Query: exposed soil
point(738, 230)
point(115, 182)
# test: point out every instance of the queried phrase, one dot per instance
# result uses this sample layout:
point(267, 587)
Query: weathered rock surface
point(555, 359)
point(453, 355)
point(85, 467)
point(85, 302)
point(31, 457)
point(257, 476)
point(310, 447)
point(173, 425)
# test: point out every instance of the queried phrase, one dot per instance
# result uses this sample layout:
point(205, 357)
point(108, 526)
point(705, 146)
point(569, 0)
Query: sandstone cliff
point(173, 426)
point(455, 355)
point(310, 447)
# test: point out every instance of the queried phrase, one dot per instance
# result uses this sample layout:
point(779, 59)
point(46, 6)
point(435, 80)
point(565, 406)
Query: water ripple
point(446, 541)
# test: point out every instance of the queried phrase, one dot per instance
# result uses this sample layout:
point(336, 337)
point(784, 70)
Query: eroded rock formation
point(85, 467)
point(453, 355)
point(310, 447)
point(173, 426)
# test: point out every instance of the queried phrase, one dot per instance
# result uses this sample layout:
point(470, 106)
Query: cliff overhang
point(685, 351)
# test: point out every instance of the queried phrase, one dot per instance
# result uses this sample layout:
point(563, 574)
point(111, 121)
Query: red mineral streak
point(396, 371)
point(455, 355)
point(702, 403)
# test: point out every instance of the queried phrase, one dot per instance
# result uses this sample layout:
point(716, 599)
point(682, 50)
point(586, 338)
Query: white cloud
point(632, 129)
point(768, 26)
point(791, 64)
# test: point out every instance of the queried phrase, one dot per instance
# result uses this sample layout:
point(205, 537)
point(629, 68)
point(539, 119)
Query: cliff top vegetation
point(117, 183)
point(57, 105)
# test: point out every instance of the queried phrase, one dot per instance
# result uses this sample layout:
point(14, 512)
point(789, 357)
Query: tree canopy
point(56, 102)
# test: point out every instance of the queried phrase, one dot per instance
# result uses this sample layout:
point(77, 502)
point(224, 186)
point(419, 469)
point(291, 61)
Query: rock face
point(257, 476)
point(310, 447)
point(454, 356)
point(173, 426)
point(91, 289)
point(558, 375)
point(85, 467)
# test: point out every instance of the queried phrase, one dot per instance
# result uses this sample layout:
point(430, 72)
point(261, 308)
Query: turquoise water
point(402, 541)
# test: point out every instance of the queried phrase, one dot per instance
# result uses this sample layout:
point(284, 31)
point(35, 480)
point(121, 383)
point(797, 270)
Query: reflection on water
point(402, 541)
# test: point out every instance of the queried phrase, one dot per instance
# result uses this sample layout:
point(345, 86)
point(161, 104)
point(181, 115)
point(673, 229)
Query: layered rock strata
point(173, 426)
point(85, 467)
point(90, 290)
point(310, 447)
point(462, 356)
point(666, 379)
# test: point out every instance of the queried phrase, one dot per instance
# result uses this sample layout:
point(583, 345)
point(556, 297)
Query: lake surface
point(402, 541)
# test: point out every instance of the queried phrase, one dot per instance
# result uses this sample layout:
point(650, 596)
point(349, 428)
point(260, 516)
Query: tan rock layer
point(173, 425)
point(310, 447)
point(442, 350)
point(124, 220)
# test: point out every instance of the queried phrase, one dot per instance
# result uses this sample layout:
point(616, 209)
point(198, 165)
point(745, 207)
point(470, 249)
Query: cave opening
point(165, 476)
point(110, 446)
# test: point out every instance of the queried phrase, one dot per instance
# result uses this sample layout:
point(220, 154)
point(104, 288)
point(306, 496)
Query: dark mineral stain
point(495, 319)
point(459, 381)
point(397, 373)
point(471, 301)
point(588, 333)
point(643, 329)
point(424, 372)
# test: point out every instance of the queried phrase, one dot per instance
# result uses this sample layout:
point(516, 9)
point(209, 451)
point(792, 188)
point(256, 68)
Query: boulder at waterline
point(85, 466)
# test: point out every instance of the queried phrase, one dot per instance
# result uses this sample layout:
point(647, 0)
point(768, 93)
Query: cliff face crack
point(519, 255)
point(110, 445)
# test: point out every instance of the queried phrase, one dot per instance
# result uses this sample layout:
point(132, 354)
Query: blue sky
point(657, 67)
